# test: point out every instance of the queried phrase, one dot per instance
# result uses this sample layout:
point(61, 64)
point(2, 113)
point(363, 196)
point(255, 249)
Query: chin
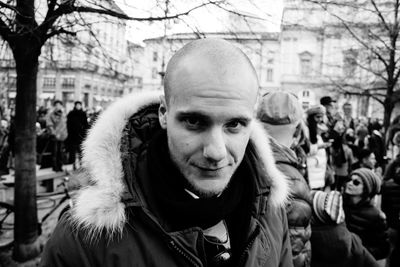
point(207, 189)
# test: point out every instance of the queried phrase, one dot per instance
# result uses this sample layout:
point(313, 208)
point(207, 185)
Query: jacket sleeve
point(286, 253)
point(64, 249)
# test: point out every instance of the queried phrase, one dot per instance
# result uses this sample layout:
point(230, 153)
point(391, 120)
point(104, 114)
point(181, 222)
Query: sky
point(205, 19)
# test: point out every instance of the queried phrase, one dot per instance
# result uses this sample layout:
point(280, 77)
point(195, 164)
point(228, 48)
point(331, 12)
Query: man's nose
point(214, 148)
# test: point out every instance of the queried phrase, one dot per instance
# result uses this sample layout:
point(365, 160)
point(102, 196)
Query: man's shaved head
point(211, 89)
point(221, 57)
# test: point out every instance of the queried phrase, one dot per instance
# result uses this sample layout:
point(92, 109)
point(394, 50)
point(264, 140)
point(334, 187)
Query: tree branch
point(378, 12)
point(5, 31)
point(58, 31)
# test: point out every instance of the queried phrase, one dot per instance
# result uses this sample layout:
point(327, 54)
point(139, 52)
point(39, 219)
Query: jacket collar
point(99, 207)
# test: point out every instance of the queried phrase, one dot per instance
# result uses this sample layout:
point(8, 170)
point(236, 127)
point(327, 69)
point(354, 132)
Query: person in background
point(362, 217)
point(281, 115)
point(317, 158)
point(377, 145)
point(366, 159)
point(332, 244)
point(77, 125)
point(181, 179)
point(57, 129)
point(391, 203)
point(341, 155)
point(4, 147)
point(349, 122)
point(330, 109)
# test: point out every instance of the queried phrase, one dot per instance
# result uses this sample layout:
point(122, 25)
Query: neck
point(355, 199)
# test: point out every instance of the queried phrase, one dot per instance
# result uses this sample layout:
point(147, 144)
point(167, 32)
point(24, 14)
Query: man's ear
point(162, 112)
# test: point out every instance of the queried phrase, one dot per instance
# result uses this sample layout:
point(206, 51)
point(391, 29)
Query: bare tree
point(26, 31)
point(370, 62)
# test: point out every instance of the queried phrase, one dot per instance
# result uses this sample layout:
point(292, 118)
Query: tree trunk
point(26, 220)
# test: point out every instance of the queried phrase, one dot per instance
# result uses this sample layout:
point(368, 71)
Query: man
point(77, 125)
point(281, 115)
point(57, 128)
point(366, 159)
point(195, 185)
point(329, 105)
point(348, 115)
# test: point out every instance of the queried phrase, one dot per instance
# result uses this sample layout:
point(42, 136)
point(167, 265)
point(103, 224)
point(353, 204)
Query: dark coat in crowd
point(299, 208)
point(334, 246)
point(77, 125)
point(115, 223)
point(369, 223)
point(391, 193)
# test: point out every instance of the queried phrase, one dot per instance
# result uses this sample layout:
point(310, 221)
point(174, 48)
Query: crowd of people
point(346, 157)
point(59, 136)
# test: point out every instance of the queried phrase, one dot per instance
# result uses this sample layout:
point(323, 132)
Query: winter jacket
point(369, 223)
point(334, 246)
point(77, 126)
point(112, 225)
point(57, 125)
point(299, 208)
point(391, 193)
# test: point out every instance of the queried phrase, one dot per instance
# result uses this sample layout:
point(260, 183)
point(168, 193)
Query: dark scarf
point(181, 211)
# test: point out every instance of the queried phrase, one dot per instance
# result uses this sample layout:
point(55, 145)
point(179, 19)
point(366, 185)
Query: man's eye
point(235, 125)
point(192, 123)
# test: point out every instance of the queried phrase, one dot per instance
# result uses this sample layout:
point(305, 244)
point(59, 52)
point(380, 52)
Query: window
point(155, 56)
point(49, 82)
point(154, 73)
point(306, 93)
point(270, 61)
point(270, 75)
point(68, 82)
point(305, 64)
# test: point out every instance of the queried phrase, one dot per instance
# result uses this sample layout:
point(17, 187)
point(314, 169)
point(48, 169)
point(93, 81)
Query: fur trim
point(279, 184)
point(98, 207)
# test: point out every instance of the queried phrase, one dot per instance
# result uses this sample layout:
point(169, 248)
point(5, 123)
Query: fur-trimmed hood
point(99, 207)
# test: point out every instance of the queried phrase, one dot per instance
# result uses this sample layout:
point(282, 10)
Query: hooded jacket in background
point(111, 223)
point(299, 208)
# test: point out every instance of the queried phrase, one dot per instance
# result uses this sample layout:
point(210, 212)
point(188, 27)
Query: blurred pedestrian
point(317, 158)
point(330, 109)
point(332, 244)
point(362, 216)
point(4, 147)
point(340, 153)
point(77, 125)
point(349, 122)
point(57, 128)
point(281, 115)
point(391, 203)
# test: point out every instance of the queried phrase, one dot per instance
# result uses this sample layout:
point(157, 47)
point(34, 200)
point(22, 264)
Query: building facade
point(94, 66)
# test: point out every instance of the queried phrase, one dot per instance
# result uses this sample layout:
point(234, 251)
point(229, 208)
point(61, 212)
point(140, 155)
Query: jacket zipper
point(248, 246)
point(183, 253)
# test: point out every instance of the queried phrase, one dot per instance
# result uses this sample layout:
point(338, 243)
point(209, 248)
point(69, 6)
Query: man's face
point(78, 106)
point(208, 126)
point(58, 106)
point(370, 161)
point(347, 110)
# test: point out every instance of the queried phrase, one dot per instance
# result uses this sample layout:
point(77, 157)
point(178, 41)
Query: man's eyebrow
point(202, 116)
point(192, 114)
